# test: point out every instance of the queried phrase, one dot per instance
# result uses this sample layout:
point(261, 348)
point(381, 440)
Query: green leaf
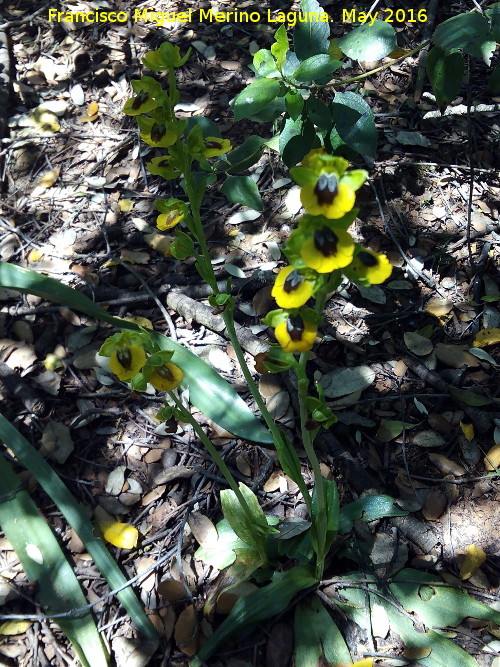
point(294, 103)
point(207, 390)
point(355, 123)
point(243, 190)
point(265, 603)
point(445, 71)
point(390, 428)
point(332, 510)
point(318, 113)
point(242, 525)
point(264, 64)
point(300, 145)
point(77, 519)
point(316, 635)
point(270, 112)
point(469, 32)
point(221, 554)
point(310, 38)
point(493, 15)
point(437, 606)
point(57, 586)
point(368, 508)
point(208, 127)
point(369, 42)
point(469, 397)
point(255, 97)
point(291, 128)
point(182, 246)
point(244, 156)
point(494, 83)
point(316, 67)
point(280, 47)
point(443, 652)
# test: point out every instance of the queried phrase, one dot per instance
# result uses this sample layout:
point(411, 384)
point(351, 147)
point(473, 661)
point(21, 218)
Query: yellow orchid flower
point(216, 146)
point(296, 333)
point(126, 361)
point(291, 290)
point(328, 249)
point(166, 377)
point(369, 266)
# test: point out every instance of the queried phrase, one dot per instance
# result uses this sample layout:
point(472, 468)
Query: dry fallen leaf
point(172, 590)
point(92, 109)
point(49, 178)
point(473, 560)
point(467, 430)
point(186, 631)
point(487, 337)
point(445, 465)
point(492, 458)
point(438, 307)
point(203, 529)
point(434, 505)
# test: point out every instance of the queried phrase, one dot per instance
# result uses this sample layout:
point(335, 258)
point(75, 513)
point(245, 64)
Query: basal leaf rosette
point(368, 267)
point(295, 330)
point(172, 211)
point(326, 188)
point(126, 353)
point(291, 288)
point(147, 93)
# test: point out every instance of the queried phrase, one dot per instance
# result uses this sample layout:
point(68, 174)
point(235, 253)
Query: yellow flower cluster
point(319, 246)
point(128, 361)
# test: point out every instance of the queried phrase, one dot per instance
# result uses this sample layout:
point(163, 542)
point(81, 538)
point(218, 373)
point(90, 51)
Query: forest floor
point(77, 204)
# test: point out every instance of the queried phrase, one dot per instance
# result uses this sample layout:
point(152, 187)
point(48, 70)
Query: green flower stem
point(271, 424)
point(320, 519)
point(198, 230)
point(219, 461)
point(352, 79)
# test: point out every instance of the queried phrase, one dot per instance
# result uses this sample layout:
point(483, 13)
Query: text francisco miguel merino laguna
point(191, 16)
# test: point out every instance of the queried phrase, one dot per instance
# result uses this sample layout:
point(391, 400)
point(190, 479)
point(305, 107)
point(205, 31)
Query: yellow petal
point(92, 109)
point(14, 627)
point(487, 337)
point(467, 430)
point(473, 561)
point(125, 205)
point(49, 178)
point(121, 535)
point(492, 458)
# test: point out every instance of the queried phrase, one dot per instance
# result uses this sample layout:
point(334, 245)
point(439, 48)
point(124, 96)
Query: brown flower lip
point(140, 99)
point(125, 358)
point(326, 188)
point(295, 327)
point(367, 259)
point(157, 132)
point(325, 241)
point(292, 282)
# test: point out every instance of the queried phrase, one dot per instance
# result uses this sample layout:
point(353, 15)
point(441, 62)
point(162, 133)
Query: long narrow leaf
point(44, 562)
point(256, 607)
point(207, 390)
point(75, 516)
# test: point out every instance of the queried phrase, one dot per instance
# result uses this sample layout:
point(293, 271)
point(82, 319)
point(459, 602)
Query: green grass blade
point(207, 390)
point(76, 518)
point(44, 562)
point(264, 603)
